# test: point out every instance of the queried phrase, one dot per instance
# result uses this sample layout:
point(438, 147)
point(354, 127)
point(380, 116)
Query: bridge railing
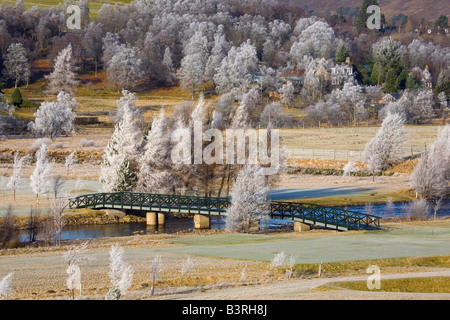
point(310, 213)
point(325, 215)
point(143, 201)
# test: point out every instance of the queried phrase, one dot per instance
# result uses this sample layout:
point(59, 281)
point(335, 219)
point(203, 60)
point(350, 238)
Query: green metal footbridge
point(311, 214)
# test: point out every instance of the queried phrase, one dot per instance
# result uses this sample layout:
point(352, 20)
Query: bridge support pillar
point(161, 219)
point(301, 227)
point(152, 218)
point(201, 221)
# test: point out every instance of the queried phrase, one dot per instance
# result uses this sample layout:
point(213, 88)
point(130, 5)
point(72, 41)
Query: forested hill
point(417, 9)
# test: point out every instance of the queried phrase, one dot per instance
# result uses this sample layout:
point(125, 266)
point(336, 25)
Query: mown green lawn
point(407, 241)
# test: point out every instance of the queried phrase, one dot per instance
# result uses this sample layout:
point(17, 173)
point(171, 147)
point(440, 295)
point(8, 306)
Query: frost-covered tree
point(122, 152)
point(75, 257)
point(16, 177)
point(430, 176)
point(287, 93)
point(154, 165)
point(248, 200)
point(187, 267)
point(192, 71)
point(241, 118)
point(40, 179)
point(6, 107)
point(67, 100)
point(349, 168)
point(387, 53)
point(273, 113)
point(57, 218)
point(70, 160)
point(53, 119)
point(6, 286)
point(115, 172)
point(414, 106)
point(218, 52)
point(419, 209)
point(124, 69)
point(316, 40)
point(63, 77)
point(237, 68)
point(422, 106)
point(386, 147)
point(121, 274)
point(168, 65)
point(16, 63)
point(155, 271)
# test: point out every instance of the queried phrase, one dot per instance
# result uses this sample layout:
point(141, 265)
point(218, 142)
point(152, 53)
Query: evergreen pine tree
point(17, 97)
point(124, 178)
point(361, 20)
point(391, 84)
point(442, 85)
point(411, 82)
point(341, 53)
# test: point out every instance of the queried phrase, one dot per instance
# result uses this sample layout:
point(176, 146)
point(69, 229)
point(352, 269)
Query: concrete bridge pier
point(201, 221)
point(301, 227)
point(155, 219)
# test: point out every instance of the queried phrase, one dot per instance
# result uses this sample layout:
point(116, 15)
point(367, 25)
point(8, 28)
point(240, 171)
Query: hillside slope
point(418, 9)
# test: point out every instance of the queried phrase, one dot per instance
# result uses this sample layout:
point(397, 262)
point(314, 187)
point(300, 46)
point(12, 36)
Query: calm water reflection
point(217, 223)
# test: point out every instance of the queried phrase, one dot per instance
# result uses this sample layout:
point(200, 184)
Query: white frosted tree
point(155, 271)
point(75, 257)
point(349, 168)
point(63, 77)
point(387, 147)
point(316, 40)
point(154, 165)
point(5, 107)
point(70, 160)
point(248, 200)
point(40, 179)
point(124, 69)
point(218, 52)
point(192, 71)
point(430, 176)
point(17, 66)
point(186, 268)
point(5, 286)
point(16, 177)
point(121, 155)
point(247, 112)
point(53, 119)
point(168, 64)
point(273, 113)
point(121, 274)
point(67, 100)
point(287, 93)
point(237, 68)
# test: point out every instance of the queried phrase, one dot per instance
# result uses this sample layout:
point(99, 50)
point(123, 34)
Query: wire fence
point(344, 155)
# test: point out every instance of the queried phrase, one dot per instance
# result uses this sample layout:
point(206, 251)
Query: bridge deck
point(312, 214)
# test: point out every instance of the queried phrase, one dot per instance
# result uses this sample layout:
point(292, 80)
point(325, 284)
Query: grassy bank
point(418, 285)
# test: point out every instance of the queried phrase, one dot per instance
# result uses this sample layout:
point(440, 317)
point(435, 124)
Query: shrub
point(38, 143)
point(419, 210)
point(87, 143)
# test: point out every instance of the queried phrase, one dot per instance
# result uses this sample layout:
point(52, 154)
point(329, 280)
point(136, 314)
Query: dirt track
point(302, 290)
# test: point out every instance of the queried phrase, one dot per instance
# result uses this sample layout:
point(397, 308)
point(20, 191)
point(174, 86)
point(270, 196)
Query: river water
point(217, 223)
